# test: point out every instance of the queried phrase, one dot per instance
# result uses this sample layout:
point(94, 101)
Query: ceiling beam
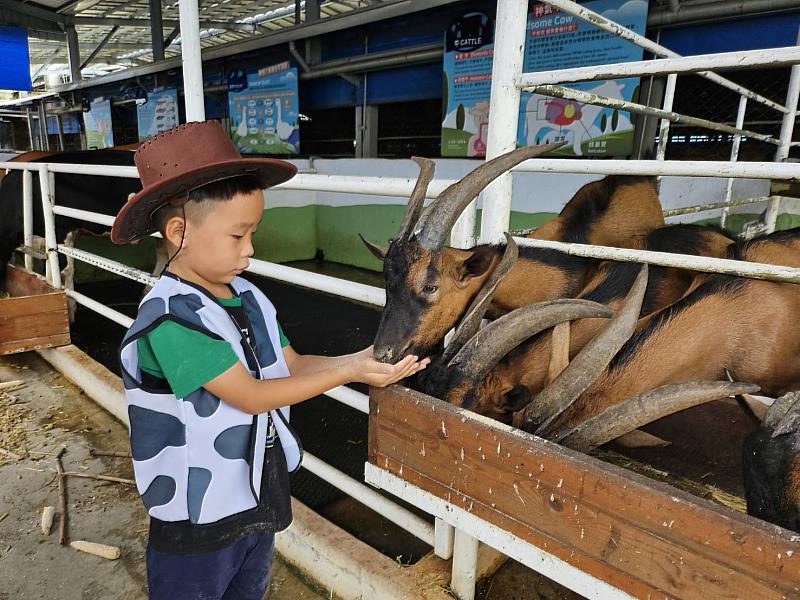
point(145, 23)
point(99, 47)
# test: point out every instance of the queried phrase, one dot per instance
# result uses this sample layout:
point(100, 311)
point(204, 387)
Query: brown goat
point(429, 285)
point(524, 370)
point(746, 326)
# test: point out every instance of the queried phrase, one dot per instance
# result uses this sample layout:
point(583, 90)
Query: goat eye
point(429, 289)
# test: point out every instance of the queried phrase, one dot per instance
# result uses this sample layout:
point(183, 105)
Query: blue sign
point(237, 81)
point(265, 117)
point(159, 113)
point(554, 40)
point(97, 123)
point(69, 124)
point(15, 68)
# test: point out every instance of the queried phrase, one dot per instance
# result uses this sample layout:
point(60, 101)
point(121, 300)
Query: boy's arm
point(240, 389)
point(307, 364)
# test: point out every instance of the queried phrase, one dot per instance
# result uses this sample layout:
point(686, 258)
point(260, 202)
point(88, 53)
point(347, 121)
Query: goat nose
point(384, 354)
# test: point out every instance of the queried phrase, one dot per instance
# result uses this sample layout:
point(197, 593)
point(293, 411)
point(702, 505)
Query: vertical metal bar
point(49, 226)
point(45, 141)
point(60, 132)
point(465, 565)
point(737, 139)
point(73, 52)
point(504, 113)
point(30, 129)
point(663, 131)
point(156, 30)
point(192, 64)
point(787, 129)
point(27, 215)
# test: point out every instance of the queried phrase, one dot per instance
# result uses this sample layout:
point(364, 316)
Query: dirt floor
point(36, 421)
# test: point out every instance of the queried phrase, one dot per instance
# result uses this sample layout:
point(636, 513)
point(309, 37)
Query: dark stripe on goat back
point(590, 202)
point(573, 265)
point(684, 238)
point(619, 277)
point(722, 285)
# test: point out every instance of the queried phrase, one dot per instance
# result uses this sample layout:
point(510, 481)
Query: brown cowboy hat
point(174, 162)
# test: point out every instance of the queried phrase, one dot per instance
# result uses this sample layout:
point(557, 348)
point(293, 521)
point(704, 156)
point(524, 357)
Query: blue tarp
point(15, 68)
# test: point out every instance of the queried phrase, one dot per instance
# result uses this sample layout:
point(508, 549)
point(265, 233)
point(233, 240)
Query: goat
point(430, 285)
point(771, 460)
point(458, 374)
point(745, 326)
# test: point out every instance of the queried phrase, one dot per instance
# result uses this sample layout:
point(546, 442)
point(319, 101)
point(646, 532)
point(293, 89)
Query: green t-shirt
point(186, 358)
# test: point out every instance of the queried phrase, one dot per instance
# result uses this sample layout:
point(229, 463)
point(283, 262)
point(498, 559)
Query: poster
point(158, 113)
point(264, 115)
point(468, 54)
point(558, 40)
point(97, 124)
point(554, 40)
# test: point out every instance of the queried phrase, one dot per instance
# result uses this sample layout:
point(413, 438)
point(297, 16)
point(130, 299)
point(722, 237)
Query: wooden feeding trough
point(597, 528)
point(33, 316)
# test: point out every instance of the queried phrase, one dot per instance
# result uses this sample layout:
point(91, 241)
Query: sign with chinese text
point(265, 115)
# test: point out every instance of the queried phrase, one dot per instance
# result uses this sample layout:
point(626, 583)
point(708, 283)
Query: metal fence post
point(503, 113)
point(192, 64)
point(737, 140)
point(49, 226)
point(465, 565)
point(27, 215)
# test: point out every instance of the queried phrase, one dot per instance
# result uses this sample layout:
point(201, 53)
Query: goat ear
point(477, 263)
point(514, 399)
point(376, 249)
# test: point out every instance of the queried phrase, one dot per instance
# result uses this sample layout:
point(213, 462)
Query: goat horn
point(784, 414)
point(442, 214)
point(481, 353)
point(471, 321)
point(415, 203)
point(646, 408)
point(589, 363)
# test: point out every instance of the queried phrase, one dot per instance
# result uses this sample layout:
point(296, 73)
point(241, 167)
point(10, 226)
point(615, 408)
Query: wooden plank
point(15, 346)
point(30, 305)
point(33, 325)
point(651, 532)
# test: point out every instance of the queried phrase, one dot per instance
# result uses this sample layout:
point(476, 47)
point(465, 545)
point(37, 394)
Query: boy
point(209, 375)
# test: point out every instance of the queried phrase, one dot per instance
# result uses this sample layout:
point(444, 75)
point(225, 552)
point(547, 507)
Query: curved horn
point(442, 214)
point(471, 321)
point(481, 353)
point(415, 203)
point(646, 408)
point(786, 416)
point(589, 363)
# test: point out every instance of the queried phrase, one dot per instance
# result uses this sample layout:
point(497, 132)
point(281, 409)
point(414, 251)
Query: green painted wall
point(297, 233)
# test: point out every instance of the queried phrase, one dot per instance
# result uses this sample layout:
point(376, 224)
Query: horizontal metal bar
point(100, 308)
point(772, 57)
point(666, 259)
point(398, 515)
point(673, 117)
point(318, 282)
point(350, 397)
point(84, 215)
point(686, 210)
point(605, 24)
point(667, 168)
point(108, 264)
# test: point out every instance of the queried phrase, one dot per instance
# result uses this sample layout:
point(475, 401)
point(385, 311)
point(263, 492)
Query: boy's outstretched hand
point(368, 370)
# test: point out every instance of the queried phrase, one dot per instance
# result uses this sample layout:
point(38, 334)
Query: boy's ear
point(174, 229)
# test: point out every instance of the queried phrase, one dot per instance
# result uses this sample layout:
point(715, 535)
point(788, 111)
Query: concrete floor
point(36, 422)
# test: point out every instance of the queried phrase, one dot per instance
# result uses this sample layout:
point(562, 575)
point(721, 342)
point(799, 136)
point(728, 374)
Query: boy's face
point(219, 246)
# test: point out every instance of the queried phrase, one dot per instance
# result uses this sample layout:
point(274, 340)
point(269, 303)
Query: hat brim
point(133, 220)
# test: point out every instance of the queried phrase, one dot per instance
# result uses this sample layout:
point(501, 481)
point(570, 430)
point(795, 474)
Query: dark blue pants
point(237, 572)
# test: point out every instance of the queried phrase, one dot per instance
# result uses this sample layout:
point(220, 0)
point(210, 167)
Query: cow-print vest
point(200, 458)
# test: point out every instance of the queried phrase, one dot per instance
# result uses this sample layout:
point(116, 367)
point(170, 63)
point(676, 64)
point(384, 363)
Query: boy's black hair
point(216, 191)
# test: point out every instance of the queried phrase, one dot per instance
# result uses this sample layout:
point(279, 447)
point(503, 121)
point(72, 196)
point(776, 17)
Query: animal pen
point(599, 530)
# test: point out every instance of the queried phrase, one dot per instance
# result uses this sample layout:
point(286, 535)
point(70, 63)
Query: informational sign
point(557, 40)
point(265, 115)
point(69, 124)
point(554, 40)
point(159, 113)
point(97, 124)
point(468, 54)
